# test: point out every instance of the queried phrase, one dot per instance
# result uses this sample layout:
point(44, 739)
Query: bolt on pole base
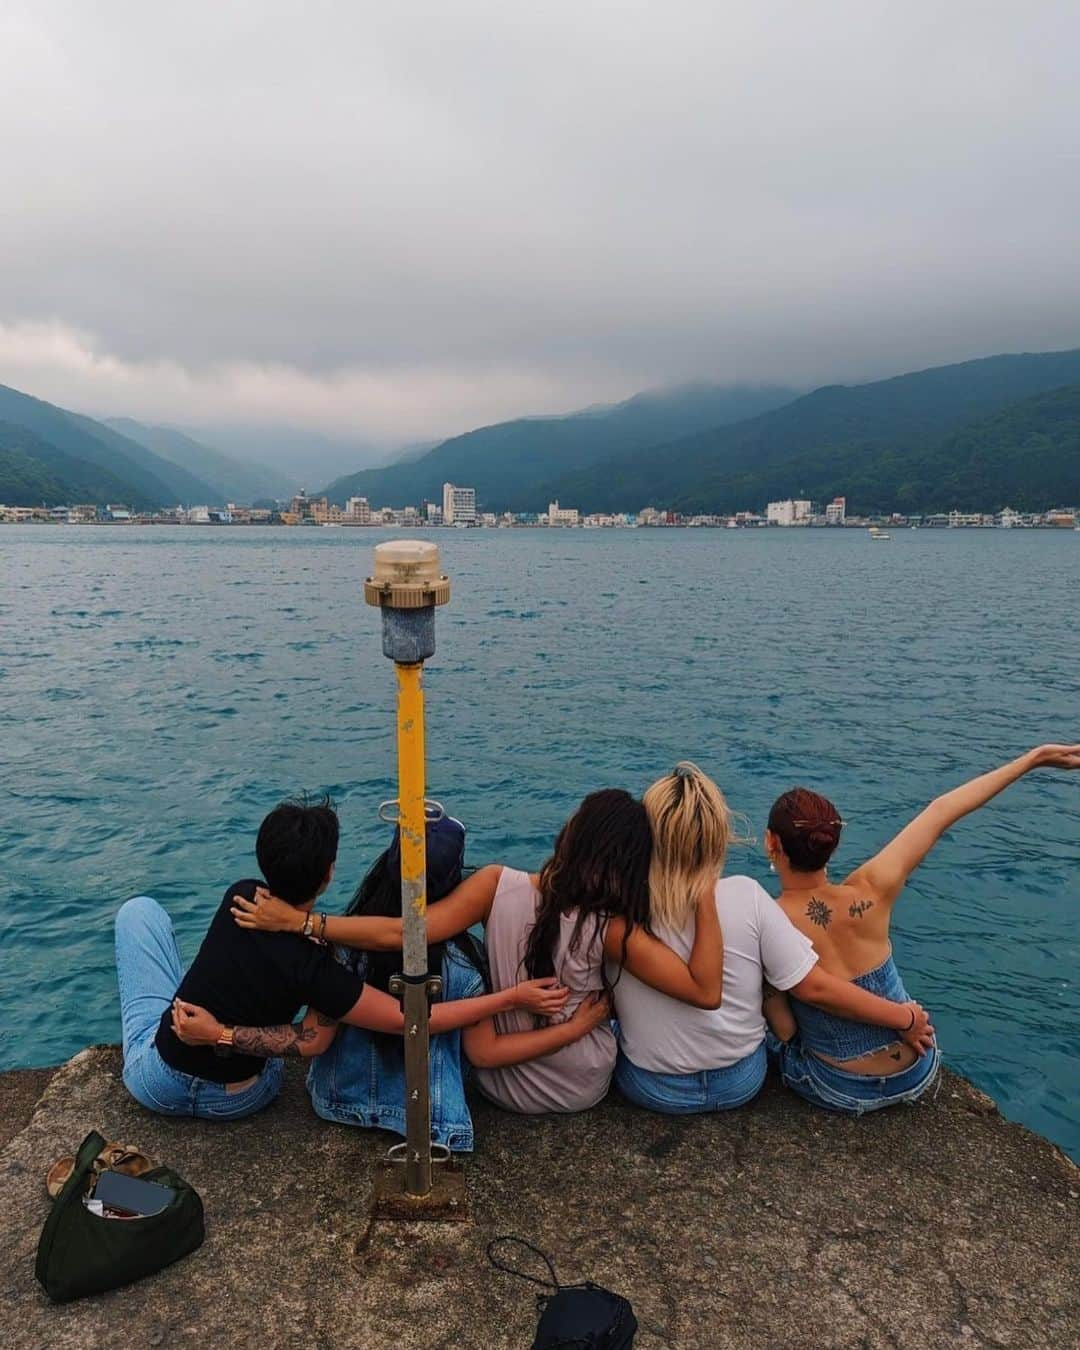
point(446, 1202)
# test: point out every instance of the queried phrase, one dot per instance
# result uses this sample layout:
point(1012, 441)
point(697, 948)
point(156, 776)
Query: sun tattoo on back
point(817, 911)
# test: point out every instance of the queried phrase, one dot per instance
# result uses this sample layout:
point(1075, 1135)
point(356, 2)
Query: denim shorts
point(854, 1094)
point(688, 1093)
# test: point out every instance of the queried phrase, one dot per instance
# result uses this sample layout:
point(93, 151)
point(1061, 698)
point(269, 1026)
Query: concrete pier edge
point(777, 1225)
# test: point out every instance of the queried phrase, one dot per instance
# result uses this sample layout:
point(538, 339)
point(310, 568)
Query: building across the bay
point(458, 505)
point(562, 515)
point(788, 513)
point(836, 511)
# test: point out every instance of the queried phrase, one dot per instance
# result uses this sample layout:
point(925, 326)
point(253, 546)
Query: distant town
point(458, 510)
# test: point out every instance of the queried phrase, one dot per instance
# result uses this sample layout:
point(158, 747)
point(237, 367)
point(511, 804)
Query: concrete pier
point(776, 1225)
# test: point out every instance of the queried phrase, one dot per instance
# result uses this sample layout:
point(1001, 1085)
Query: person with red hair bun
point(852, 1066)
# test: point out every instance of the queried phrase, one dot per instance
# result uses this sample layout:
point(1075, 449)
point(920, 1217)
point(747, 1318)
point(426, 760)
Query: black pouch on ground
point(583, 1316)
point(79, 1253)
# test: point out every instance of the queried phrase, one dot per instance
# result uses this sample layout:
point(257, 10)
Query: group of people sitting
point(629, 957)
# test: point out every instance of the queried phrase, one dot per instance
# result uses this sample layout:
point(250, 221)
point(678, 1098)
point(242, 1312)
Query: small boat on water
point(877, 533)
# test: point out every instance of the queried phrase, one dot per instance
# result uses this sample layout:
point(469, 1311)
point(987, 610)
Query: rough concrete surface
point(776, 1225)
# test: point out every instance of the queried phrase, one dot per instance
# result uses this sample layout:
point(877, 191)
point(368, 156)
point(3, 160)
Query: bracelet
point(912, 1022)
point(322, 927)
point(306, 930)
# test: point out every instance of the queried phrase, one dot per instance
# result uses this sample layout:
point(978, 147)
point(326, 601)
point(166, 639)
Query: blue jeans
point(854, 1094)
point(360, 1080)
point(149, 971)
point(679, 1094)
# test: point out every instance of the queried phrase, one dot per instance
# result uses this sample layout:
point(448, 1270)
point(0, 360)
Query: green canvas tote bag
point(81, 1253)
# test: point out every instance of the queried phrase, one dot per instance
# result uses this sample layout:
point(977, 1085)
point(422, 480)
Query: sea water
point(162, 688)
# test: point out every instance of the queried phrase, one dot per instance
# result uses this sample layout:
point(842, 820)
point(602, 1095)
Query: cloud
point(398, 221)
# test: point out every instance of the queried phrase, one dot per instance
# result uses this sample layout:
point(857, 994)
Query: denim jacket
point(360, 1080)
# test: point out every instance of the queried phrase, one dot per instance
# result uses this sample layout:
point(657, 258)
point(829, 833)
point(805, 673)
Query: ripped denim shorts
point(854, 1094)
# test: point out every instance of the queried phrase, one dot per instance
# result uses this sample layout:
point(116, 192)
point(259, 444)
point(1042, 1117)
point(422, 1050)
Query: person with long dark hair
point(852, 1066)
point(589, 901)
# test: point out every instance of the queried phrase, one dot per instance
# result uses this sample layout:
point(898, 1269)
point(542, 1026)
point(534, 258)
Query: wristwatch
point(224, 1044)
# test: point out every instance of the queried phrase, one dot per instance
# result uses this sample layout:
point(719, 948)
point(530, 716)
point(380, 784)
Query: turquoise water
point(162, 688)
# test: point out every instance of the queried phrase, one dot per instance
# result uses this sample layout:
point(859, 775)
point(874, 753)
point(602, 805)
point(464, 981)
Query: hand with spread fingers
point(591, 1012)
point(267, 913)
point(545, 997)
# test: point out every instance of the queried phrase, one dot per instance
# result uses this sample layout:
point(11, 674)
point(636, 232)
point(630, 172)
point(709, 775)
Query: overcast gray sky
point(399, 220)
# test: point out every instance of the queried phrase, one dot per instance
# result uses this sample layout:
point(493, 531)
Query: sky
point(393, 222)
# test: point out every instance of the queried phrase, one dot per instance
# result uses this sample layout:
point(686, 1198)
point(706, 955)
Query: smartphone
point(132, 1195)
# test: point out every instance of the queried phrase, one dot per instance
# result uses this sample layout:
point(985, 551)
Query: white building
point(559, 515)
point(836, 511)
point(434, 514)
point(358, 511)
point(458, 505)
point(788, 513)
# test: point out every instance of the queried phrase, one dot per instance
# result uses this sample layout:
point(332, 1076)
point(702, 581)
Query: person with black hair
point(210, 1042)
point(849, 1066)
point(360, 1079)
point(589, 901)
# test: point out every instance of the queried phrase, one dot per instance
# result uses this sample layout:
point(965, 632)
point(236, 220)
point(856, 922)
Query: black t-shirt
point(252, 979)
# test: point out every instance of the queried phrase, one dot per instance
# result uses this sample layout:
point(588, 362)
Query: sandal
point(112, 1158)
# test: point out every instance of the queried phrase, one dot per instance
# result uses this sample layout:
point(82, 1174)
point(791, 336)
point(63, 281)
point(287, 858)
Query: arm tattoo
point(270, 1042)
point(859, 908)
point(817, 911)
point(325, 1021)
point(768, 992)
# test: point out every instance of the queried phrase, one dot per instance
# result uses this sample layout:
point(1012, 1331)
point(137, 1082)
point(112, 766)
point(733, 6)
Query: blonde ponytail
point(692, 826)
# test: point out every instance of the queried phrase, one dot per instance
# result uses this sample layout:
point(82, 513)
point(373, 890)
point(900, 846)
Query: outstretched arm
point(467, 904)
point(699, 980)
point(844, 999)
point(886, 873)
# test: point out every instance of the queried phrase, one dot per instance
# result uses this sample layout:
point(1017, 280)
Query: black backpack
point(575, 1316)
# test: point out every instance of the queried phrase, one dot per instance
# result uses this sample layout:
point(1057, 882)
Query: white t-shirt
point(665, 1036)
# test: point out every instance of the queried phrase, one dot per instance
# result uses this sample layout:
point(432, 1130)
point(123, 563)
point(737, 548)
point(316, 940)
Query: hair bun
point(823, 837)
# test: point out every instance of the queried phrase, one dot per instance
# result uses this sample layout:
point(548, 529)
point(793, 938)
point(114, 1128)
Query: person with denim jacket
point(847, 1066)
point(360, 1080)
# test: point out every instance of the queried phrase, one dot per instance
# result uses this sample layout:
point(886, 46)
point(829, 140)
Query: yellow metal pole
point(412, 822)
point(407, 585)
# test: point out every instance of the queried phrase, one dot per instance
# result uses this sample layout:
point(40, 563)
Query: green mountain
point(75, 453)
point(510, 463)
point(233, 479)
point(33, 472)
point(905, 443)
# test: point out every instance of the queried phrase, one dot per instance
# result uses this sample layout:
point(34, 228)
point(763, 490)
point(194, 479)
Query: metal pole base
point(446, 1202)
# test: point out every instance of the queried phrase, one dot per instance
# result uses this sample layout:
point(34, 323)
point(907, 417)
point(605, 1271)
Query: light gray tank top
point(577, 1076)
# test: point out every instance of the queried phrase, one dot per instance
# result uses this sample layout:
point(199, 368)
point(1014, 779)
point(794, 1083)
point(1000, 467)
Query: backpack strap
point(553, 1283)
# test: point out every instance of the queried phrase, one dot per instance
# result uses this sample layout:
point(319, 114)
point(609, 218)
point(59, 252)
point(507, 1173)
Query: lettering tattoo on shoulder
point(817, 911)
point(859, 908)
